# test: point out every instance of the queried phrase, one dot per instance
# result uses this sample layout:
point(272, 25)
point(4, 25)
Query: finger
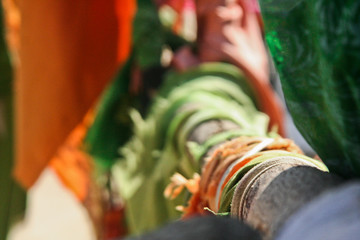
point(231, 53)
point(252, 18)
point(233, 34)
point(233, 13)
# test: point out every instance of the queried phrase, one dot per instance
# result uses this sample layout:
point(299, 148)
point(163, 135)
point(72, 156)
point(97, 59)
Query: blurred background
point(56, 60)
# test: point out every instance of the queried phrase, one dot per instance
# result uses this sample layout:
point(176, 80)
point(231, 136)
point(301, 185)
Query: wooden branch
point(272, 195)
point(208, 129)
point(272, 191)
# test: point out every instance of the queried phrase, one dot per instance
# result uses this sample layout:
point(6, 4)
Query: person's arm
point(231, 31)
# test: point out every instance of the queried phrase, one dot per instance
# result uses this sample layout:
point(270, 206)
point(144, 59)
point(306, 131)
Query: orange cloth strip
point(73, 166)
point(220, 160)
point(69, 50)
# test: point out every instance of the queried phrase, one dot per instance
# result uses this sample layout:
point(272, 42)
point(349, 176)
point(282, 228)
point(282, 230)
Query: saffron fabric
point(68, 52)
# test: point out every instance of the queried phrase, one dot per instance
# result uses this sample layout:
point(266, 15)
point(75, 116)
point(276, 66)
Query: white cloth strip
point(263, 144)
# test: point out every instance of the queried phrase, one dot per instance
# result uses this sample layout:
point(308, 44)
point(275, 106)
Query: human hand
point(232, 31)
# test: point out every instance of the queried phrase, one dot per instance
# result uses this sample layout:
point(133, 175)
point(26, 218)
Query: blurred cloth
point(332, 216)
point(209, 228)
point(13, 199)
point(65, 53)
point(320, 74)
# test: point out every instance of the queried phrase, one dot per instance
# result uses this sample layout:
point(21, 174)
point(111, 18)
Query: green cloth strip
point(12, 196)
point(199, 151)
point(228, 191)
point(158, 147)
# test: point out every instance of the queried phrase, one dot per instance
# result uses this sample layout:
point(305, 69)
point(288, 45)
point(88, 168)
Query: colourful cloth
point(12, 199)
point(159, 146)
point(316, 45)
point(333, 215)
point(68, 53)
